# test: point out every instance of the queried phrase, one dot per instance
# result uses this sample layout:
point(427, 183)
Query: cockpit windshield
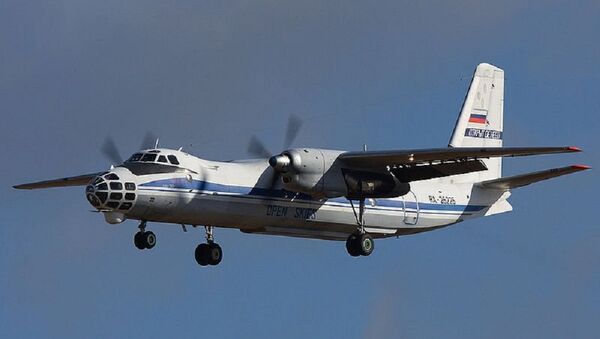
point(135, 157)
point(152, 156)
point(148, 157)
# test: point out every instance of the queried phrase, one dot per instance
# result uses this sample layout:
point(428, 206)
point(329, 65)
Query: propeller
point(293, 127)
point(110, 150)
point(257, 148)
point(149, 140)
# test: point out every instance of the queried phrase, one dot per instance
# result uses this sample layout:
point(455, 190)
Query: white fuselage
point(237, 195)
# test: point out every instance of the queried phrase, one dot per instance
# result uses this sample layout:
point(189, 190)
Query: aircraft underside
point(331, 219)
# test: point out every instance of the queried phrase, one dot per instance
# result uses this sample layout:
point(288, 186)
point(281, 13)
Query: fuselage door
point(410, 205)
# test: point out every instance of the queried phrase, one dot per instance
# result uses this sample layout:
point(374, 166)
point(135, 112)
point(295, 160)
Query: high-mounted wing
point(381, 159)
point(80, 180)
point(530, 178)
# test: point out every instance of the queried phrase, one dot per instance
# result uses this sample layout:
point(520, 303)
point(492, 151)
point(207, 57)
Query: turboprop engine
point(318, 172)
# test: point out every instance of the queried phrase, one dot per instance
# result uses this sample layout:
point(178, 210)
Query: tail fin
point(480, 121)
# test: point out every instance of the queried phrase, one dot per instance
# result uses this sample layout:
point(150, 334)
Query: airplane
point(351, 196)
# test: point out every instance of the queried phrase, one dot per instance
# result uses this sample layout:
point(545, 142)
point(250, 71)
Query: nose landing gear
point(209, 253)
point(144, 239)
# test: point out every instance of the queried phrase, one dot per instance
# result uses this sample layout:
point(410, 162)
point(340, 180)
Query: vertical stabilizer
point(480, 123)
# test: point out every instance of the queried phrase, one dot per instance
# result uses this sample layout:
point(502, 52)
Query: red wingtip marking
point(574, 148)
point(580, 167)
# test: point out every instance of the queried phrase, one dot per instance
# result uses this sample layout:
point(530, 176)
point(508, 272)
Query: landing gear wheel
point(138, 241)
point(366, 244)
point(352, 245)
point(149, 239)
point(215, 254)
point(208, 254)
point(201, 254)
point(360, 244)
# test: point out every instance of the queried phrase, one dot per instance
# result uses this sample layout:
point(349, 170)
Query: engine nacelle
point(317, 172)
point(373, 185)
point(304, 170)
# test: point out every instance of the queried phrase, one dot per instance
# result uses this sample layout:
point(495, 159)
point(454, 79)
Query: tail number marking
point(442, 200)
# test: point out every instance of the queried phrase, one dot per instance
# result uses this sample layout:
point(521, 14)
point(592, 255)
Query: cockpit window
point(148, 157)
point(162, 158)
point(173, 159)
point(135, 157)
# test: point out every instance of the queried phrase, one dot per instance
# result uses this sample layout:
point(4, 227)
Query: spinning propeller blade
point(110, 150)
point(257, 148)
point(293, 127)
point(149, 140)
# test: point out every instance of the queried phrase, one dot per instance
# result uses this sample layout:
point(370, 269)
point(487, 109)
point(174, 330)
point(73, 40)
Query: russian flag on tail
point(478, 118)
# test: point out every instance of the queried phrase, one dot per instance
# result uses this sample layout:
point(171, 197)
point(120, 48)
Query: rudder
point(480, 122)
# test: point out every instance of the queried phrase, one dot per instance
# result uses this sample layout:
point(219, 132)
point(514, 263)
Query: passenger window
point(116, 186)
point(173, 159)
point(162, 158)
point(149, 157)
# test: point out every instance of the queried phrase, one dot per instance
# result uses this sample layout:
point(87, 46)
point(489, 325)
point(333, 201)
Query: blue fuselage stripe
point(197, 185)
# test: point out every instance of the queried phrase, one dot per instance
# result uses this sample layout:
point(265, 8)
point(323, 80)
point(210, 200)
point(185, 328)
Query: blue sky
point(207, 75)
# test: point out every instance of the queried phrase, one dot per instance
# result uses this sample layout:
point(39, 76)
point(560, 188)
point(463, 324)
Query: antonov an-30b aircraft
point(320, 193)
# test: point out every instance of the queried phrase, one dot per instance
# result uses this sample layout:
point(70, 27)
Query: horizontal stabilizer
point(529, 178)
point(80, 180)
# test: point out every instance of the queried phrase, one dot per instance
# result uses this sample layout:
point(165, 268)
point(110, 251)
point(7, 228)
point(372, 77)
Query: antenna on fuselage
point(156, 144)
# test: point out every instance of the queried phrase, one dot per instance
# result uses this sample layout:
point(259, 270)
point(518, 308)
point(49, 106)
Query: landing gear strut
point(144, 239)
point(209, 253)
point(360, 242)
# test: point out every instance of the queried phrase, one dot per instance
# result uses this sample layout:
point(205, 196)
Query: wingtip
point(574, 149)
point(581, 167)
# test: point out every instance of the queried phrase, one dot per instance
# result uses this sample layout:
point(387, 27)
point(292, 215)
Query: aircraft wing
point(529, 178)
point(379, 159)
point(80, 180)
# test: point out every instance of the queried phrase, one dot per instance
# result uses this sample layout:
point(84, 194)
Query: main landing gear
point(144, 239)
point(360, 242)
point(209, 253)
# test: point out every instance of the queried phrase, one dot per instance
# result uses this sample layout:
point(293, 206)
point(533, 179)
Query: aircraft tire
point(201, 254)
point(214, 254)
point(352, 245)
point(366, 244)
point(149, 239)
point(138, 241)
